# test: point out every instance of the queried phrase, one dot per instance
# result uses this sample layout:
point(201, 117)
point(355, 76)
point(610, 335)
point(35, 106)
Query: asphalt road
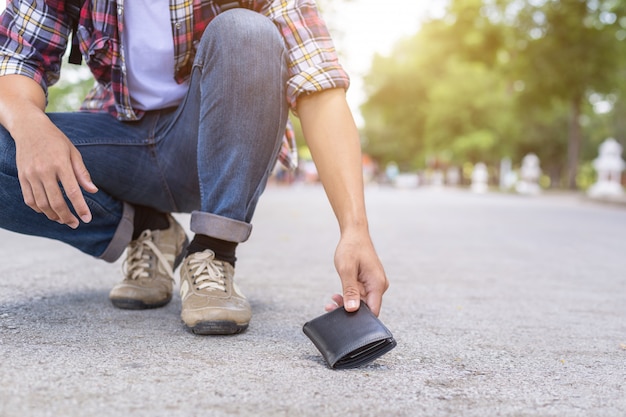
point(501, 305)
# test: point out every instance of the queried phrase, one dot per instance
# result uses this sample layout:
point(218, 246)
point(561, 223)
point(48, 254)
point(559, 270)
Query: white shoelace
point(140, 251)
point(208, 273)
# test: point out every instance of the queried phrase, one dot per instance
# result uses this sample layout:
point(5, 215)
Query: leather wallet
point(349, 340)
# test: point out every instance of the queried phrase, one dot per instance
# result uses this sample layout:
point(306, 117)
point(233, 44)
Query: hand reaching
point(361, 272)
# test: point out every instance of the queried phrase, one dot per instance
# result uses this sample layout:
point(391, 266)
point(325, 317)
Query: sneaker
point(149, 268)
point(212, 303)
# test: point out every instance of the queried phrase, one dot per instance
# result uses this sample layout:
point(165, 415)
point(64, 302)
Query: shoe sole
point(132, 304)
point(218, 328)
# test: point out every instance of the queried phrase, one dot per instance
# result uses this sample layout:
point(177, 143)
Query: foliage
point(501, 78)
point(440, 93)
point(72, 87)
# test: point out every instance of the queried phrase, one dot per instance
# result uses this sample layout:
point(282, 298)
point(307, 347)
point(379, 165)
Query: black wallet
point(349, 340)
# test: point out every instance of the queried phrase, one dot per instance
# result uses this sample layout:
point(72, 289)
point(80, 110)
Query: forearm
point(333, 139)
point(21, 98)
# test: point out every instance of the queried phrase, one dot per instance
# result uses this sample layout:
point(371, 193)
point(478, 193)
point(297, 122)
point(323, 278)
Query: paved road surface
point(502, 305)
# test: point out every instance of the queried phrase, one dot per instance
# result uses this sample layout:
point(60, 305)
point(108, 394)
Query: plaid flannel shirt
point(34, 37)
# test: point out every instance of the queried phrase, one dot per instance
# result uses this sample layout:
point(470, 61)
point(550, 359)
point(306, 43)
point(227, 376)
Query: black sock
point(148, 218)
point(224, 250)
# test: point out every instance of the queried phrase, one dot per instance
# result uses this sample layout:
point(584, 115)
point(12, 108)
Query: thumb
point(351, 295)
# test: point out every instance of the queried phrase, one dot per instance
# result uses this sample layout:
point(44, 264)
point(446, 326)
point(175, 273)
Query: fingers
point(337, 302)
point(45, 193)
point(47, 198)
point(374, 301)
point(81, 178)
point(74, 194)
point(82, 175)
point(375, 290)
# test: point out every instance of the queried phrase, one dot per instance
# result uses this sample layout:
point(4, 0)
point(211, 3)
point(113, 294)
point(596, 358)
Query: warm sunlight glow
point(367, 27)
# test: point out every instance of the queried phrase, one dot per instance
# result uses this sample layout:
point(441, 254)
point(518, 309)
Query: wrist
point(354, 227)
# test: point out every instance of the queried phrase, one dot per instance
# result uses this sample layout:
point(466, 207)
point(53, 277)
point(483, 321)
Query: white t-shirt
point(149, 55)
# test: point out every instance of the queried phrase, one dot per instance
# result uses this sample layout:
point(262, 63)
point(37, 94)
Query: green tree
point(68, 93)
point(565, 50)
point(498, 78)
point(394, 110)
point(441, 93)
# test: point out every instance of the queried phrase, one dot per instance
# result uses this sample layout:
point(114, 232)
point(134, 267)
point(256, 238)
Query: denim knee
point(238, 31)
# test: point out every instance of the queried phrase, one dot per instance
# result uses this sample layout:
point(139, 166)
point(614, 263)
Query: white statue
point(480, 178)
point(436, 178)
point(530, 173)
point(609, 166)
point(505, 173)
point(453, 177)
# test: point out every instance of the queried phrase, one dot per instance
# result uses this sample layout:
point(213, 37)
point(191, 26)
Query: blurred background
point(493, 82)
point(440, 87)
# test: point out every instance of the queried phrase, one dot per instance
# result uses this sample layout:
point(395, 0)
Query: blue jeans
point(211, 156)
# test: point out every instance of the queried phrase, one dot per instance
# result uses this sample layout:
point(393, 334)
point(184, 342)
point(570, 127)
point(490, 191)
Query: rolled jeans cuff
point(122, 237)
point(220, 227)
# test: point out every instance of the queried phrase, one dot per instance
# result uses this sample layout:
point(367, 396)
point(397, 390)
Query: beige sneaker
point(212, 303)
point(149, 268)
